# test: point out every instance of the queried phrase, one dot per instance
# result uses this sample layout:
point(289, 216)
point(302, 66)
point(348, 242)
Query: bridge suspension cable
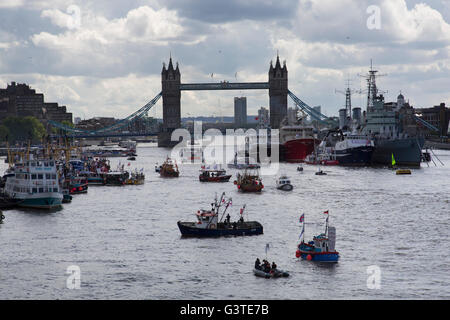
point(314, 114)
point(425, 123)
point(118, 125)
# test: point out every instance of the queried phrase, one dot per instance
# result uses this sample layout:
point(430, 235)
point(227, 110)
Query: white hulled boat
point(35, 184)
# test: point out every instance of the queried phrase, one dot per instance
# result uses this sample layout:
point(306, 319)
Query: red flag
point(326, 212)
point(242, 210)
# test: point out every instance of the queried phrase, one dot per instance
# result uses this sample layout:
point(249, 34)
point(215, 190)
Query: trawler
point(213, 223)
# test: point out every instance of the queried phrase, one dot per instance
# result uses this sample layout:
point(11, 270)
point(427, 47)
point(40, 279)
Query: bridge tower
point(171, 95)
point(278, 93)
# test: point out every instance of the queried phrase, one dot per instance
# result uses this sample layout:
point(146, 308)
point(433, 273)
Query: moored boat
point(136, 178)
point(34, 184)
point(78, 185)
point(209, 224)
point(116, 178)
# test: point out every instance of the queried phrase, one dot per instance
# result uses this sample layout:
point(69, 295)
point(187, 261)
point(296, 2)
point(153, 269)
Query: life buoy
point(212, 226)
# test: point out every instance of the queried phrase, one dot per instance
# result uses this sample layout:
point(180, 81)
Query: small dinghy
point(273, 274)
point(265, 270)
point(321, 173)
point(300, 169)
point(131, 158)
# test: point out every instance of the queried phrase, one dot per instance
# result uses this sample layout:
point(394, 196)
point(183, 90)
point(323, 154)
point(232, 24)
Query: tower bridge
point(171, 94)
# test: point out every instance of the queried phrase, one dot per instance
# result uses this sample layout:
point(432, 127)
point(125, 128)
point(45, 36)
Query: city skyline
point(100, 59)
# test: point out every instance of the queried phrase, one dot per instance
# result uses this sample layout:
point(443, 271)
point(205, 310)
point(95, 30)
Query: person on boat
point(266, 266)
point(274, 266)
point(257, 264)
point(241, 219)
point(228, 218)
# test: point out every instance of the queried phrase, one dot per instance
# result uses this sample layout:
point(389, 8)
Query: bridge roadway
point(224, 86)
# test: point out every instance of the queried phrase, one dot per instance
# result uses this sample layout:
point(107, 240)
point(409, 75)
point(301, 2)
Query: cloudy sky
point(104, 58)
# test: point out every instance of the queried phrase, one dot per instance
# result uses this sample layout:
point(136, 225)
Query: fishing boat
point(67, 198)
point(116, 178)
point(93, 178)
point(243, 162)
point(249, 181)
point(213, 175)
point(136, 178)
point(211, 223)
point(34, 184)
point(284, 183)
point(78, 185)
point(321, 248)
point(169, 169)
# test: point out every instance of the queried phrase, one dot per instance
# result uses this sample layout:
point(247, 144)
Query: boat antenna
point(226, 207)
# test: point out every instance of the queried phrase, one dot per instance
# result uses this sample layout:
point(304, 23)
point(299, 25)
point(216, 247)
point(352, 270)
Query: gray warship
point(393, 128)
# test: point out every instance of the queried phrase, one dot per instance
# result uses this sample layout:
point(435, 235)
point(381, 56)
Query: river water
point(126, 243)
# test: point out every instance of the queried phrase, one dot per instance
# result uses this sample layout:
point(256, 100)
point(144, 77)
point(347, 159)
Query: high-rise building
point(240, 111)
point(263, 118)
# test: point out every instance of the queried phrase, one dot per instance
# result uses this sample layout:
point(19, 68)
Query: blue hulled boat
point(209, 224)
point(321, 248)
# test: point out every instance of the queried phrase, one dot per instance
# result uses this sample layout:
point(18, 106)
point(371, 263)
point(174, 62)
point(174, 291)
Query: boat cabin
point(284, 180)
point(207, 219)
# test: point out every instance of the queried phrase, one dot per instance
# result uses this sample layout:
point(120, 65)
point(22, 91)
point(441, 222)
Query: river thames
point(126, 243)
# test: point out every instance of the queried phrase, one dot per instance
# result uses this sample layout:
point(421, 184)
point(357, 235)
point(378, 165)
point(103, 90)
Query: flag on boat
point(393, 160)
point(301, 233)
point(302, 218)
point(326, 212)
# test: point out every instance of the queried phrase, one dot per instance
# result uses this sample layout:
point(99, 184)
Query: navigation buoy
point(308, 257)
